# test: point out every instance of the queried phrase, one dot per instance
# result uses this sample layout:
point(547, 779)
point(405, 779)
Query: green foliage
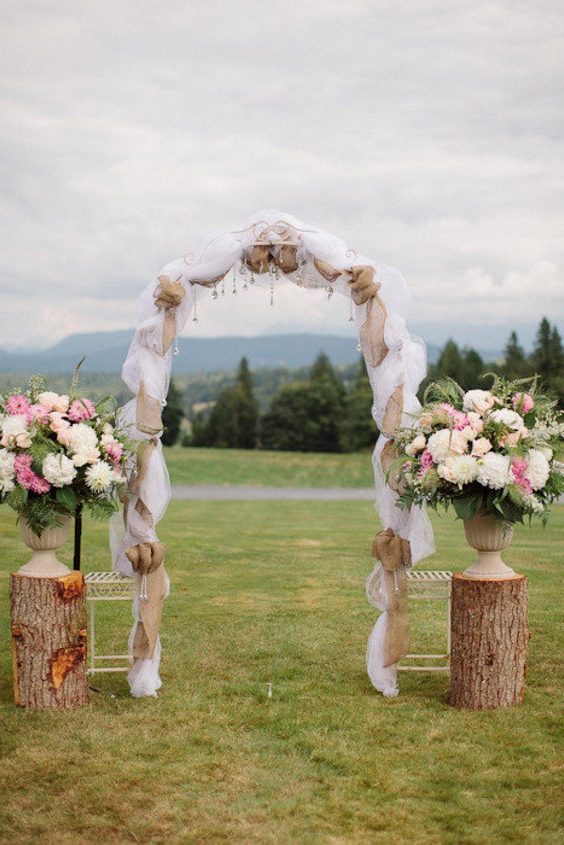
point(172, 415)
point(233, 421)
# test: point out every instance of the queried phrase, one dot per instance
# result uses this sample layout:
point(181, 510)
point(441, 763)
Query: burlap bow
point(147, 561)
point(395, 555)
point(169, 296)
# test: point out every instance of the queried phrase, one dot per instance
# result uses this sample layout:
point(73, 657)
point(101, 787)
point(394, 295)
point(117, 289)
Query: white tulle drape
point(404, 364)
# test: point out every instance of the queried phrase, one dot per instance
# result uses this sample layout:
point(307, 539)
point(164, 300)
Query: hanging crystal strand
point(244, 274)
point(252, 278)
point(195, 308)
point(234, 291)
point(271, 292)
point(223, 286)
point(329, 292)
point(351, 318)
point(175, 349)
point(214, 291)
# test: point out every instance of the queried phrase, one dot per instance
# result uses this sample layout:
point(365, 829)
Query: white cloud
point(428, 135)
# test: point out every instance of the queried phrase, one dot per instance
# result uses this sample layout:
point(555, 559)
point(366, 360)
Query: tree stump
point(488, 642)
point(48, 617)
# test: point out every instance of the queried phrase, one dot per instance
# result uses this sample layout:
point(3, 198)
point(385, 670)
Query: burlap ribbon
point(372, 332)
point(393, 412)
point(147, 561)
point(361, 281)
point(144, 453)
point(392, 471)
point(168, 296)
point(395, 555)
point(148, 412)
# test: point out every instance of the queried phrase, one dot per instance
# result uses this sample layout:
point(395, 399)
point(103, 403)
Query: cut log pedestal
point(489, 638)
point(48, 618)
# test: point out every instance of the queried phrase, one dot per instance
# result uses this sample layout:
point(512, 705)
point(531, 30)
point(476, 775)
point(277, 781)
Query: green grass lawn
point(273, 592)
point(268, 469)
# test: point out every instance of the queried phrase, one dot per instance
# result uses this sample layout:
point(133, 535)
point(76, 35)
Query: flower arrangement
point(58, 452)
point(483, 451)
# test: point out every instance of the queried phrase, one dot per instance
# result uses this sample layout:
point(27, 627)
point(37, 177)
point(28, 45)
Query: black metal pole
point(77, 536)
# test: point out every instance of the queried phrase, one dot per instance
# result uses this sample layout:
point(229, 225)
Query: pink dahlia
point(17, 404)
point(38, 412)
point(81, 409)
point(426, 462)
point(459, 417)
point(27, 478)
point(519, 468)
point(114, 451)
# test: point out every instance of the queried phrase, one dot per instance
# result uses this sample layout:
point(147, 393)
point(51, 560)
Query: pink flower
point(17, 404)
point(58, 421)
point(519, 468)
point(27, 478)
point(459, 417)
point(81, 409)
point(38, 412)
point(481, 447)
point(476, 421)
point(522, 402)
point(114, 451)
point(426, 462)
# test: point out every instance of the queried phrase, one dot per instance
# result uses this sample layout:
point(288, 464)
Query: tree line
point(326, 410)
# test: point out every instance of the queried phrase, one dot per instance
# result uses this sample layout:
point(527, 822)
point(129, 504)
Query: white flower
point(480, 447)
point(100, 477)
point(54, 401)
point(108, 428)
point(6, 471)
point(439, 445)
point(58, 470)
point(478, 400)
point(534, 504)
point(547, 452)
point(538, 469)
point(459, 469)
point(494, 470)
point(15, 432)
point(81, 439)
point(416, 445)
point(508, 417)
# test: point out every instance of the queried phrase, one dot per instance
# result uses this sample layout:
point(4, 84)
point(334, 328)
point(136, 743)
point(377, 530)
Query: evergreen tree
point(172, 416)
point(233, 421)
point(542, 357)
point(472, 369)
point(358, 429)
point(304, 417)
point(450, 362)
point(322, 371)
point(515, 364)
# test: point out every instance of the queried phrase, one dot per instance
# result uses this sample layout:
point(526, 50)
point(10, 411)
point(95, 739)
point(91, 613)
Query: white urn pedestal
point(488, 536)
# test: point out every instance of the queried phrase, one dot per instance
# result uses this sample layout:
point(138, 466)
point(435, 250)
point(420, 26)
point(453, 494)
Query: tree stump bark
point(48, 618)
point(488, 642)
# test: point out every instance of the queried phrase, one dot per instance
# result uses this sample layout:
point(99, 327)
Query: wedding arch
point(272, 249)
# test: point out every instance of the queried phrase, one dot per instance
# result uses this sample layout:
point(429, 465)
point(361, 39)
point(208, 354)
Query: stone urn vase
point(489, 537)
point(44, 563)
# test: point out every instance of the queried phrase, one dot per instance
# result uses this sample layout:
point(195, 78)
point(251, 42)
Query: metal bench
point(430, 585)
point(106, 586)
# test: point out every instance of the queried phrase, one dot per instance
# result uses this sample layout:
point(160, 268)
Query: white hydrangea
point(100, 477)
point(439, 445)
point(416, 445)
point(54, 401)
point(538, 469)
point(6, 471)
point(459, 469)
point(478, 400)
point(509, 418)
point(15, 432)
point(494, 470)
point(81, 438)
point(58, 470)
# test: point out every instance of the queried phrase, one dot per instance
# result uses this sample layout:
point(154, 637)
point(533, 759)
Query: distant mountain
point(106, 351)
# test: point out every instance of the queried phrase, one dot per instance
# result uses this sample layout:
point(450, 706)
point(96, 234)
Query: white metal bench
point(430, 585)
point(106, 586)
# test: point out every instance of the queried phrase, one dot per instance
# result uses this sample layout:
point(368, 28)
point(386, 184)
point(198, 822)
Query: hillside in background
point(106, 351)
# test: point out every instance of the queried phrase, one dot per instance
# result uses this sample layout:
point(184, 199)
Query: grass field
point(265, 592)
point(268, 469)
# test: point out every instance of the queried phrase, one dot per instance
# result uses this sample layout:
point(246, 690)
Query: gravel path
point(216, 491)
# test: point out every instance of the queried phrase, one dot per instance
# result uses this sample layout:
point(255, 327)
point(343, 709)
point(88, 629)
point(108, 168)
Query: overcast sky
point(427, 134)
